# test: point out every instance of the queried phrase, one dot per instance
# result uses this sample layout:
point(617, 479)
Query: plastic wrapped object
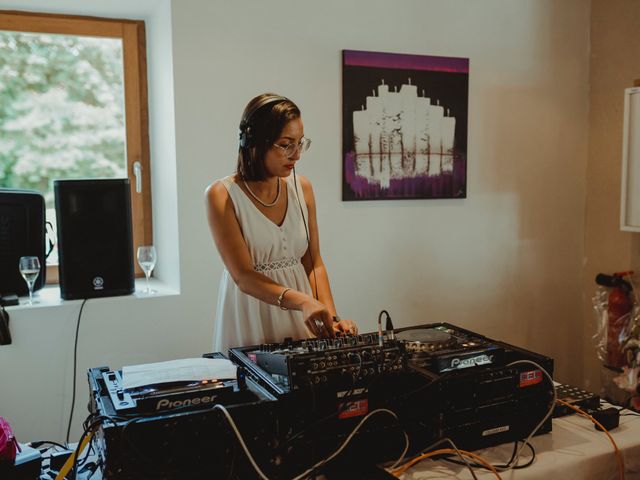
point(617, 337)
point(616, 312)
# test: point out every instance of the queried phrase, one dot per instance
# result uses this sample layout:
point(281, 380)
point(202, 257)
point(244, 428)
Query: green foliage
point(61, 109)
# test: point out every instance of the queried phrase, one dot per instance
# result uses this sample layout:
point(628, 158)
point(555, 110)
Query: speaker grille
point(94, 237)
point(21, 233)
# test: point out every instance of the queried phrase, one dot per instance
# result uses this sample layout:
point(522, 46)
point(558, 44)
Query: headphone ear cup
point(243, 136)
point(247, 138)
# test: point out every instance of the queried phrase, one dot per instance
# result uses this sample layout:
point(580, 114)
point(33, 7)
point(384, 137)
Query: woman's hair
point(263, 120)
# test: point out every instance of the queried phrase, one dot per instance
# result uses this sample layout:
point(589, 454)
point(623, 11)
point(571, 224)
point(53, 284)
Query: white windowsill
point(50, 295)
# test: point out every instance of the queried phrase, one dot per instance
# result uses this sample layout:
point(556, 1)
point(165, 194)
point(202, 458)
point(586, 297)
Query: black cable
point(533, 458)
point(513, 454)
point(513, 457)
point(332, 414)
point(343, 407)
point(385, 313)
point(97, 420)
point(306, 230)
point(447, 458)
point(317, 470)
point(90, 426)
point(39, 443)
point(89, 469)
point(75, 364)
point(86, 425)
point(431, 447)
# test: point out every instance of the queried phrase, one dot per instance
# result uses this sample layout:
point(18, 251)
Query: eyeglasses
point(290, 148)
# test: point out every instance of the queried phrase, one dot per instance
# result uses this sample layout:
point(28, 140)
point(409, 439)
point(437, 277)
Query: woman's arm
point(313, 263)
point(228, 238)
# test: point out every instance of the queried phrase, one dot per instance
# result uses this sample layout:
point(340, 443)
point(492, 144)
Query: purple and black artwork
point(404, 126)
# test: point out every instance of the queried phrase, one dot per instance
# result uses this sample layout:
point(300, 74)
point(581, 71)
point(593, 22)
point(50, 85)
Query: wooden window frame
point(132, 34)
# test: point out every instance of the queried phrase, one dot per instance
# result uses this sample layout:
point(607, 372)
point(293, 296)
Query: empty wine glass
point(147, 261)
point(29, 269)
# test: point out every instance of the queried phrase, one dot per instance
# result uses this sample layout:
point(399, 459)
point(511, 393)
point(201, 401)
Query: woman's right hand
point(317, 318)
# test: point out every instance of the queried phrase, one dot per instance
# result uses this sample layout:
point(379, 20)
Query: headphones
point(246, 135)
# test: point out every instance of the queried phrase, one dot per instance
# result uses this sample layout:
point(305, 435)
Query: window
point(73, 104)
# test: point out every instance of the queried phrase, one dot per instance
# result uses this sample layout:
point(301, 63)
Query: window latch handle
point(137, 171)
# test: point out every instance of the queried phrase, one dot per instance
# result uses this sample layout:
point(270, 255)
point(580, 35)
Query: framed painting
point(404, 126)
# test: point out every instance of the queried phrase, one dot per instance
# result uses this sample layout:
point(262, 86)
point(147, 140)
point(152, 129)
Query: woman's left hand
point(344, 327)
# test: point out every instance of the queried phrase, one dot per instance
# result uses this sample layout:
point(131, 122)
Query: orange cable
point(615, 446)
point(411, 463)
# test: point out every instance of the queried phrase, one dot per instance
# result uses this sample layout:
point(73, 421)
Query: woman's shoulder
point(219, 189)
point(303, 182)
point(304, 189)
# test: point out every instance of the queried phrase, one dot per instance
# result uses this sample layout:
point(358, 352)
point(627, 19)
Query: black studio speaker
point(95, 243)
point(22, 233)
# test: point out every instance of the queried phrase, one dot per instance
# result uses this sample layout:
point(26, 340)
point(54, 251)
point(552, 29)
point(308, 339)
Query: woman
point(263, 222)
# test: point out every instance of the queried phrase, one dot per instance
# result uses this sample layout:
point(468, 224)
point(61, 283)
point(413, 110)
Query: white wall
point(505, 262)
point(614, 40)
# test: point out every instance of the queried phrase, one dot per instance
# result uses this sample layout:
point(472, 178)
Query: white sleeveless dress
point(241, 319)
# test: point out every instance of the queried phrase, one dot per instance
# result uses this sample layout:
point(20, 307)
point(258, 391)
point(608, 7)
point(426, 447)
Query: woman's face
point(276, 163)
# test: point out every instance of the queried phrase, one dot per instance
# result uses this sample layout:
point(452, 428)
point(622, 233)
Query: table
point(573, 450)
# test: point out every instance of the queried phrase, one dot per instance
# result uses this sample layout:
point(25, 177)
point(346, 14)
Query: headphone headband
point(246, 137)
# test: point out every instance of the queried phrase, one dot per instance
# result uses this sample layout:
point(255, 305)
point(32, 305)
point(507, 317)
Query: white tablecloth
point(573, 450)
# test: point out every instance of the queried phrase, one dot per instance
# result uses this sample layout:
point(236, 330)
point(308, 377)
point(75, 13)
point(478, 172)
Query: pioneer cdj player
point(482, 391)
point(175, 433)
point(444, 348)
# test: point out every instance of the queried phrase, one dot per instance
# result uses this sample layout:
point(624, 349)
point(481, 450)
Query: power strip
point(577, 397)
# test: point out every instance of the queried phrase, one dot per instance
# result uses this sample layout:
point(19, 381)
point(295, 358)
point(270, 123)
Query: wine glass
point(147, 261)
point(29, 269)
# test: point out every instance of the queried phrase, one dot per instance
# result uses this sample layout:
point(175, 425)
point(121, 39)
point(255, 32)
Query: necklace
point(260, 201)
